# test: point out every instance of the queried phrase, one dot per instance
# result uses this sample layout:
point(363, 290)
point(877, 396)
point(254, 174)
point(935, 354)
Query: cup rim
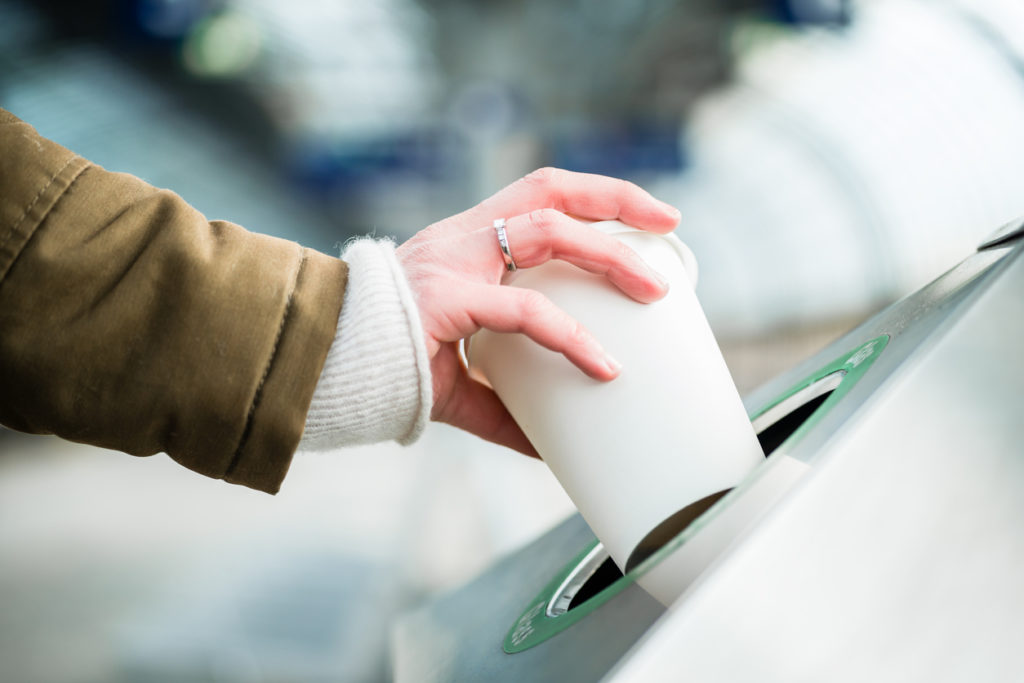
point(686, 255)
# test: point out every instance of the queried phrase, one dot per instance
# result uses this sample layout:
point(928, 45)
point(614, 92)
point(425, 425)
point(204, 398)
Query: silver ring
point(499, 227)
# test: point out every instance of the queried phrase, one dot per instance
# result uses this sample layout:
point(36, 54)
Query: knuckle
point(624, 254)
point(627, 186)
point(543, 220)
point(533, 304)
point(630, 186)
point(577, 334)
point(629, 189)
point(428, 291)
point(542, 177)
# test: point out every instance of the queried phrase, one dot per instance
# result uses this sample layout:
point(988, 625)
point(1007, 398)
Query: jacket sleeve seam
point(258, 394)
point(14, 230)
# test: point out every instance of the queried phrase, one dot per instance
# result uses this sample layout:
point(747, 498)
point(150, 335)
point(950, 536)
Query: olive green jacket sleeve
point(129, 321)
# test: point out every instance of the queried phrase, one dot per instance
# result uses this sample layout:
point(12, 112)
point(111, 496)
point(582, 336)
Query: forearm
point(127, 320)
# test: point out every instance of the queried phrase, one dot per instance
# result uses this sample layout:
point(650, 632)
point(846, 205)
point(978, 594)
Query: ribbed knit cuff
point(375, 385)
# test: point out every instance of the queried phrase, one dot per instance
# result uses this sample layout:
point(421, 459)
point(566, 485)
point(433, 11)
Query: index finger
point(584, 195)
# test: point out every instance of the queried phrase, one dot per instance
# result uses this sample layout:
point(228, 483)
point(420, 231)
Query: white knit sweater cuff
point(375, 385)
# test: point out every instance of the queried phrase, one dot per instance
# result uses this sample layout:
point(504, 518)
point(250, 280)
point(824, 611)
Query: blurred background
point(828, 157)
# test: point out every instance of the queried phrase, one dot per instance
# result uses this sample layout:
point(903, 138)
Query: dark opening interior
point(670, 528)
point(605, 575)
point(771, 437)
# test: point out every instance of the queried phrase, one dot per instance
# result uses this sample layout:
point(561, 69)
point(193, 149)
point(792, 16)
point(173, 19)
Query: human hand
point(455, 266)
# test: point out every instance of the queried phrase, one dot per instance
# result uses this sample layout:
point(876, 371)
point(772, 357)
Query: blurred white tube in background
point(843, 169)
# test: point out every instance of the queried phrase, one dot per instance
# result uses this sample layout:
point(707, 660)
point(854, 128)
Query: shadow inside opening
point(775, 434)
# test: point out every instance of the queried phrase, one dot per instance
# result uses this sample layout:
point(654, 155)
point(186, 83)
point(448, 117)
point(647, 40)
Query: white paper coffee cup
point(669, 433)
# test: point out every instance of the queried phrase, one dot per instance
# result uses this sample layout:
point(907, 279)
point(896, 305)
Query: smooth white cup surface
point(669, 431)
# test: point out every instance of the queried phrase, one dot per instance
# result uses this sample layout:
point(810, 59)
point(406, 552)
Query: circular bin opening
point(592, 575)
point(778, 423)
point(597, 571)
point(591, 579)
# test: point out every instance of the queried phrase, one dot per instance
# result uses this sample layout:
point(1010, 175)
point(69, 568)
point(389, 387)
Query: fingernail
point(660, 279)
point(672, 211)
point(612, 364)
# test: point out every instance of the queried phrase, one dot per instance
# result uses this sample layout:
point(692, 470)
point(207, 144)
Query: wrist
point(375, 385)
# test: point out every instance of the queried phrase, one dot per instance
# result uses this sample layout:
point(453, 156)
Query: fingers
point(526, 311)
point(584, 195)
point(546, 234)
